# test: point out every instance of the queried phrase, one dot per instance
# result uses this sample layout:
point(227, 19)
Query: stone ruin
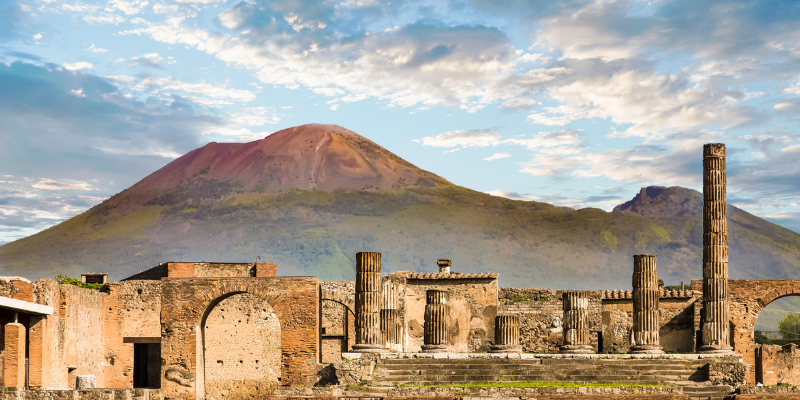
point(189, 330)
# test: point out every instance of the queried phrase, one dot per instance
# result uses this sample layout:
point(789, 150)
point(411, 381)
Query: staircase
point(432, 371)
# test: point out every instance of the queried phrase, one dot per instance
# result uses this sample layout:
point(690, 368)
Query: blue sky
point(575, 103)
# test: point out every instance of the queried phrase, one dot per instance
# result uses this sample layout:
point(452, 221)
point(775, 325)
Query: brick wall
point(14, 355)
point(185, 301)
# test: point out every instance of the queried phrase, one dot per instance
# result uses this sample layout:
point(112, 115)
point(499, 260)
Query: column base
point(575, 349)
point(646, 349)
point(437, 348)
point(505, 348)
point(368, 348)
point(715, 349)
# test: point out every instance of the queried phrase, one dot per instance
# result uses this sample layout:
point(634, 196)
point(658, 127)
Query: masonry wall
point(778, 365)
point(676, 319)
point(81, 333)
point(242, 348)
point(185, 302)
point(473, 306)
point(540, 316)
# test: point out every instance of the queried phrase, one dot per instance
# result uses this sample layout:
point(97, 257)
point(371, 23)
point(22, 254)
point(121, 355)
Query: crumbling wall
point(81, 336)
point(778, 365)
point(473, 306)
point(540, 316)
point(242, 348)
point(334, 330)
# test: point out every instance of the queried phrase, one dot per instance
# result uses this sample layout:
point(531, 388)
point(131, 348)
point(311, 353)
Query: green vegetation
point(531, 384)
point(790, 326)
point(519, 297)
point(65, 280)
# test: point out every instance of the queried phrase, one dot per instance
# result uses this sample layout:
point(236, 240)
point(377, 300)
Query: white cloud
point(497, 156)
point(77, 66)
point(213, 91)
point(77, 92)
point(147, 60)
point(96, 49)
point(520, 103)
point(464, 138)
point(37, 36)
point(103, 19)
point(129, 7)
point(50, 184)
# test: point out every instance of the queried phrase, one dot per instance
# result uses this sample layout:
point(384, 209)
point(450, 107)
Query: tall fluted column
point(390, 326)
point(576, 323)
point(715, 315)
point(437, 325)
point(506, 334)
point(646, 294)
point(368, 303)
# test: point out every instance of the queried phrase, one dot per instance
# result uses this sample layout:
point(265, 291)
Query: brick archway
point(185, 302)
point(747, 298)
point(340, 297)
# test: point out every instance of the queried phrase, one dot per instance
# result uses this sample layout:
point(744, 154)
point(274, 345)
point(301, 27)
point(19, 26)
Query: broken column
point(506, 334)
point(437, 325)
point(391, 323)
point(715, 316)
point(646, 294)
point(444, 265)
point(368, 303)
point(576, 323)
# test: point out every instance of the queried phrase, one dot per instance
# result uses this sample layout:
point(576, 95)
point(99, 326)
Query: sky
point(575, 103)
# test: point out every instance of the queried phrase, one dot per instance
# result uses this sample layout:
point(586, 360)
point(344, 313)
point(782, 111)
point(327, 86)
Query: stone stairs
point(433, 371)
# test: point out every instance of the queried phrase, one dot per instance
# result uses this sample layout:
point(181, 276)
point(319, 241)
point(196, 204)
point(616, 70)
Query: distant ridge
point(308, 198)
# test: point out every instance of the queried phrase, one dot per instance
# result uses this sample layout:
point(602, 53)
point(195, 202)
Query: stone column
point(368, 303)
point(715, 317)
point(390, 327)
point(506, 334)
point(14, 364)
point(576, 323)
point(646, 294)
point(437, 324)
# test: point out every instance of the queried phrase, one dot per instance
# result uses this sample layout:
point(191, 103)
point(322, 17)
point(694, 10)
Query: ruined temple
point(200, 330)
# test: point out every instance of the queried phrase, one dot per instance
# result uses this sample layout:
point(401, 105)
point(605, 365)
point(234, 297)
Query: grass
point(532, 384)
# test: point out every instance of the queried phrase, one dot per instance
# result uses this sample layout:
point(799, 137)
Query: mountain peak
point(661, 202)
point(320, 157)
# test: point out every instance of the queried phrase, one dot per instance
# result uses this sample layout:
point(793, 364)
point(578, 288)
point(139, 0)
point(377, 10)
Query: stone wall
point(206, 270)
point(81, 337)
point(10, 393)
point(473, 306)
point(676, 319)
point(540, 315)
point(184, 303)
point(778, 365)
point(242, 346)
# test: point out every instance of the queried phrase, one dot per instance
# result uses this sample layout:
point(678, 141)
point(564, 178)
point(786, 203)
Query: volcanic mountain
point(308, 198)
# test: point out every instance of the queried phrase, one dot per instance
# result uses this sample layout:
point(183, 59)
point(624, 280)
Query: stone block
point(83, 382)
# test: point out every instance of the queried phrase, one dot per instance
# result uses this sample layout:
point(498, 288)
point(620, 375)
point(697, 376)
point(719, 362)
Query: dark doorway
point(147, 365)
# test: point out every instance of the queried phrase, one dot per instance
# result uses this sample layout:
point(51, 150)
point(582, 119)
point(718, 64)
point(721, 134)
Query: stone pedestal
point(437, 323)
point(576, 323)
point(506, 334)
point(14, 362)
point(646, 294)
point(368, 303)
point(716, 314)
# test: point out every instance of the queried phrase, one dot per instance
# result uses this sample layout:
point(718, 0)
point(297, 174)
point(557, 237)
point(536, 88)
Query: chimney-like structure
point(577, 338)
point(368, 303)
point(715, 316)
point(646, 293)
point(444, 266)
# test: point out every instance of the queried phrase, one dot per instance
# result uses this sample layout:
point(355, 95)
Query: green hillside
point(318, 233)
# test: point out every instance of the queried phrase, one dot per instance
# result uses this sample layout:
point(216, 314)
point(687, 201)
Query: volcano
point(308, 198)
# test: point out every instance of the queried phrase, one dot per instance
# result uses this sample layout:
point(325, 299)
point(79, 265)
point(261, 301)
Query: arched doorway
point(337, 330)
point(241, 348)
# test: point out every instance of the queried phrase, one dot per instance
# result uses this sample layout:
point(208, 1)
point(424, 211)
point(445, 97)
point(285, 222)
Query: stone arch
point(241, 348)
point(339, 296)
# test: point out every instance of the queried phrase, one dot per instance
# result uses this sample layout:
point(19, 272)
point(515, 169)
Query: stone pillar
point(715, 317)
point(391, 319)
point(437, 324)
point(646, 294)
point(576, 323)
point(506, 334)
point(14, 362)
point(368, 303)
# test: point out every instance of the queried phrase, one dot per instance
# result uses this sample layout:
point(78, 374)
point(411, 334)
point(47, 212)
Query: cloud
point(37, 36)
point(520, 104)
point(77, 66)
point(129, 7)
point(464, 138)
point(96, 49)
point(152, 60)
point(50, 184)
point(497, 156)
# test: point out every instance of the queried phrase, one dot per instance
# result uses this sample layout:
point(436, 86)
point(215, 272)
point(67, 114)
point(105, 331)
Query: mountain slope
point(308, 198)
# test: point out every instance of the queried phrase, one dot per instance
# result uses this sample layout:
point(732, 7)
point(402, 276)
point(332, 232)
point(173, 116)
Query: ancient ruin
point(198, 330)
